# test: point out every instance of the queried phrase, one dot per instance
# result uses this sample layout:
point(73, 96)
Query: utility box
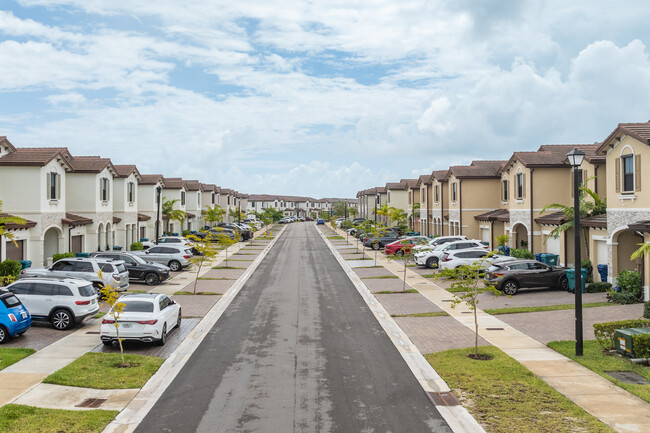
point(624, 343)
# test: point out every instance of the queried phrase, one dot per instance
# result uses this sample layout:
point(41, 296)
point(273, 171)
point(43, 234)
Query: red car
point(404, 245)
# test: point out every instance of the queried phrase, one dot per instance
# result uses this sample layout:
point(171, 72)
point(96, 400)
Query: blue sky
point(319, 98)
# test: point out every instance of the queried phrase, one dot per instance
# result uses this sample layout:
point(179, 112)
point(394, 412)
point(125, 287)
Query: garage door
point(15, 252)
point(76, 243)
point(485, 235)
point(553, 245)
point(601, 253)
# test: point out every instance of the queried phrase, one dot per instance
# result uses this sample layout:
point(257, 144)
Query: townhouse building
point(413, 206)
point(193, 205)
point(150, 198)
point(424, 185)
point(125, 207)
point(174, 189)
point(439, 203)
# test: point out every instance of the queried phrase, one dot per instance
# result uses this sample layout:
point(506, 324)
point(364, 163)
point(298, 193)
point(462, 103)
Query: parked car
point(358, 220)
point(215, 232)
point(139, 270)
point(457, 258)
point(14, 317)
point(432, 243)
point(430, 258)
point(177, 257)
point(113, 272)
point(62, 302)
point(404, 245)
point(167, 240)
point(339, 221)
point(255, 222)
point(146, 317)
point(320, 221)
point(244, 234)
point(509, 276)
point(379, 240)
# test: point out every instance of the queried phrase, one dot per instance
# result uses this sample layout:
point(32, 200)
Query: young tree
point(236, 214)
point(226, 241)
point(385, 212)
point(207, 251)
point(111, 296)
point(214, 214)
point(415, 208)
point(399, 216)
point(406, 254)
point(352, 211)
point(8, 219)
point(171, 213)
point(467, 285)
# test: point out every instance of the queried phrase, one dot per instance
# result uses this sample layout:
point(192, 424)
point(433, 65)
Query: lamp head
point(575, 157)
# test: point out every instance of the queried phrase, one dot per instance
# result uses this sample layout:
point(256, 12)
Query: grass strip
point(185, 292)
point(16, 418)
point(335, 237)
point(436, 314)
point(505, 397)
point(595, 360)
point(99, 315)
point(380, 277)
point(367, 267)
point(130, 292)
point(428, 275)
point(11, 355)
point(226, 267)
point(211, 278)
point(515, 310)
point(101, 371)
point(392, 292)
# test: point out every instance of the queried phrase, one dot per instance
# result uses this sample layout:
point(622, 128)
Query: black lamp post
point(376, 200)
point(239, 210)
point(158, 191)
point(575, 159)
point(346, 209)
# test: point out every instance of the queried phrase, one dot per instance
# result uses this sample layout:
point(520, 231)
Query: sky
point(318, 98)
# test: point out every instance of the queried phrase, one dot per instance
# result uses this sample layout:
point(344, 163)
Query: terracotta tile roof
point(126, 170)
point(425, 179)
point(151, 179)
point(75, 220)
point(189, 215)
point(552, 219)
point(640, 226)
point(91, 164)
point(503, 216)
point(439, 175)
point(143, 217)
point(492, 215)
point(193, 185)
point(410, 183)
point(477, 170)
point(638, 131)
point(550, 155)
point(381, 190)
point(35, 157)
point(396, 186)
point(209, 187)
point(14, 226)
point(173, 182)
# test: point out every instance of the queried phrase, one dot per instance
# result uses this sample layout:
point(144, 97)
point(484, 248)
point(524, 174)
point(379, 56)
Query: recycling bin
point(602, 270)
point(570, 273)
point(24, 264)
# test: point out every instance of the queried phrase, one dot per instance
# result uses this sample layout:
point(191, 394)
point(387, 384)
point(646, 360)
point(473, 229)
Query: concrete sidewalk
point(614, 406)
point(21, 382)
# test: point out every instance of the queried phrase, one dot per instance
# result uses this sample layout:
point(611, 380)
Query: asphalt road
point(296, 351)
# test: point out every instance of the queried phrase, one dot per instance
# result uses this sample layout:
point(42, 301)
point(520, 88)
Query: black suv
point(139, 270)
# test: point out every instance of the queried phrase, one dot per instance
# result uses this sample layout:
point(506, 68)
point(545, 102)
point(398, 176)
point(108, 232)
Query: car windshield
point(439, 247)
point(10, 301)
point(138, 260)
point(121, 267)
point(137, 306)
point(86, 290)
point(494, 268)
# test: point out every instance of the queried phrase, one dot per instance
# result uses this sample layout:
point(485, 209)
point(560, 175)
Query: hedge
point(57, 257)
point(10, 268)
point(604, 332)
point(137, 246)
point(521, 254)
point(646, 310)
point(641, 344)
point(598, 287)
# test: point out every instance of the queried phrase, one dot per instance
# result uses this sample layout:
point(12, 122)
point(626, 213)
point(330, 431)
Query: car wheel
point(151, 279)
point(4, 334)
point(107, 343)
point(174, 266)
point(163, 336)
point(563, 284)
point(375, 245)
point(432, 262)
point(178, 322)
point(400, 252)
point(61, 320)
point(510, 287)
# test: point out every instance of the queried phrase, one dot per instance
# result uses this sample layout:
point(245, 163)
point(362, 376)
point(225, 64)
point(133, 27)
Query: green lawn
point(99, 315)
point(16, 418)
point(380, 277)
point(390, 292)
point(185, 292)
point(594, 359)
point(505, 397)
point(101, 371)
point(513, 310)
point(11, 355)
point(436, 314)
point(209, 278)
point(226, 267)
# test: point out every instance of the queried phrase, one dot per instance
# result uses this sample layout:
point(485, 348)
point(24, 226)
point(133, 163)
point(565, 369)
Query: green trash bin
point(570, 273)
point(84, 255)
point(549, 259)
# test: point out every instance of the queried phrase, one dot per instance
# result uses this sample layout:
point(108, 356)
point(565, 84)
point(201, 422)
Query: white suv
point(62, 302)
point(437, 241)
point(430, 258)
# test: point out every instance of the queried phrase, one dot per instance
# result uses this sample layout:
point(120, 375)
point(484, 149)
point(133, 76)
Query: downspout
point(426, 203)
point(492, 235)
point(442, 211)
point(596, 179)
point(532, 228)
point(460, 206)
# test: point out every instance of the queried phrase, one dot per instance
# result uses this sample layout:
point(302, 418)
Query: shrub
point(346, 225)
point(185, 233)
point(521, 254)
point(641, 344)
point(604, 332)
point(598, 287)
point(57, 257)
point(502, 240)
point(631, 289)
point(646, 310)
point(6, 280)
point(586, 264)
point(137, 246)
point(10, 268)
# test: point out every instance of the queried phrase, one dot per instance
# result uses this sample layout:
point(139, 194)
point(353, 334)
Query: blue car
point(14, 317)
point(320, 221)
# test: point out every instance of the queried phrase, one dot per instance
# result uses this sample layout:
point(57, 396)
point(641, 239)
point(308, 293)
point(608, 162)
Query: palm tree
point(399, 216)
point(214, 214)
point(590, 204)
point(352, 211)
point(8, 219)
point(644, 249)
point(384, 211)
point(414, 208)
point(171, 213)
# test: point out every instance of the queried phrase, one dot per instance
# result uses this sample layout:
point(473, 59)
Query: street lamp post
point(239, 211)
point(158, 191)
point(575, 159)
point(346, 209)
point(376, 200)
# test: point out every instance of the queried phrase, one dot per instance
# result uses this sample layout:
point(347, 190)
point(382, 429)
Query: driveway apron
point(296, 351)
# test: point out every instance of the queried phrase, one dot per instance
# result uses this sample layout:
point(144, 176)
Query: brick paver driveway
point(435, 334)
point(406, 303)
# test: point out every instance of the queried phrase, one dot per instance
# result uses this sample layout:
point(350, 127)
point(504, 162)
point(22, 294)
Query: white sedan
point(146, 317)
point(454, 259)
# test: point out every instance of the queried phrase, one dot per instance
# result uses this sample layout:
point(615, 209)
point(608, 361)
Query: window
point(155, 250)
point(84, 267)
point(410, 197)
point(520, 186)
point(44, 289)
point(182, 198)
point(107, 267)
point(131, 191)
point(137, 307)
point(453, 192)
point(62, 290)
point(435, 190)
point(505, 189)
point(422, 195)
point(63, 265)
point(627, 163)
point(388, 196)
point(21, 288)
point(103, 189)
point(53, 191)
point(212, 198)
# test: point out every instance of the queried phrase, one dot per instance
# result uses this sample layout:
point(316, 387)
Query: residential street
point(296, 351)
